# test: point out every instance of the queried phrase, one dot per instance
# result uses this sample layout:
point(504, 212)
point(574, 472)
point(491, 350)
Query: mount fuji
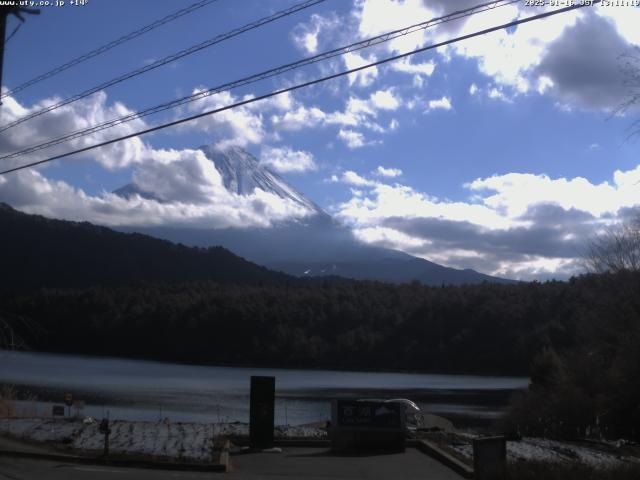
point(315, 245)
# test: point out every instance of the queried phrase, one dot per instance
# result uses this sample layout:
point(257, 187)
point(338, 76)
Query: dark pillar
point(261, 411)
point(490, 458)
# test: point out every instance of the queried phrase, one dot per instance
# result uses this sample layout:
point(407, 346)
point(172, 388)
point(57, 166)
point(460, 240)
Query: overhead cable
point(108, 46)
point(305, 84)
point(166, 60)
point(369, 42)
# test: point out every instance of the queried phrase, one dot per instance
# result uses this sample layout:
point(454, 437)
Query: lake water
point(146, 390)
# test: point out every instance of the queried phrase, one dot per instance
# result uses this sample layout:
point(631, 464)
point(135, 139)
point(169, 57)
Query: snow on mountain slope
point(242, 174)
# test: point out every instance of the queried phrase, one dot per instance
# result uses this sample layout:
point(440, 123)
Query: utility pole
point(5, 11)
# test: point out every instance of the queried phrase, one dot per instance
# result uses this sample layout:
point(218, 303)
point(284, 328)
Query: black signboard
point(58, 411)
point(368, 414)
point(261, 411)
point(367, 425)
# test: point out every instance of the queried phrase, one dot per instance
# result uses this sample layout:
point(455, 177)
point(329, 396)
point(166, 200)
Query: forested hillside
point(41, 252)
point(478, 328)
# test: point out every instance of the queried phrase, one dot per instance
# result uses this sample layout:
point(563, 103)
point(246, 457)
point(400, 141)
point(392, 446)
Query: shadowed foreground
point(291, 463)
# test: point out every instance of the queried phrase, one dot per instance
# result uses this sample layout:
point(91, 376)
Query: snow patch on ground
point(40, 430)
point(238, 429)
point(542, 449)
point(186, 441)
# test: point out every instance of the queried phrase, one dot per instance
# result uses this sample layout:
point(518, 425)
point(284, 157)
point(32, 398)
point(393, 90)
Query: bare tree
point(616, 249)
point(631, 71)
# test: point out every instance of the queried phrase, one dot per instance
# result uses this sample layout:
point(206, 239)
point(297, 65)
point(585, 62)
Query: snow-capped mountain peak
point(241, 174)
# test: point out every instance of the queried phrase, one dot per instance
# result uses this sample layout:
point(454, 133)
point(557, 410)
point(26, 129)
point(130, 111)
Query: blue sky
point(500, 153)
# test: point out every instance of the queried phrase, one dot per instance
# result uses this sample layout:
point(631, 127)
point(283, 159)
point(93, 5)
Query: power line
point(15, 30)
point(264, 75)
point(109, 46)
point(306, 84)
point(166, 60)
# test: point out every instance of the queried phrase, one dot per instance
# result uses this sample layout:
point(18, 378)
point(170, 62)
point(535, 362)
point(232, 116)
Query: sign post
point(68, 401)
point(261, 412)
point(105, 429)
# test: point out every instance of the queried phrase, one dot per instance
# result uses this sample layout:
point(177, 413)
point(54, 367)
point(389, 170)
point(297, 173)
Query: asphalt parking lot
point(318, 463)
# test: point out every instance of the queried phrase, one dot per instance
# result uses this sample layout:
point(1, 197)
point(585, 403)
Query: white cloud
point(181, 187)
point(186, 191)
point(286, 160)
point(379, 16)
point(625, 18)
point(300, 118)
point(391, 237)
point(443, 103)
point(384, 100)
point(185, 176)
point(364, 77)
point(357, 107)
point(388, 172)
point(352, 178)
point(76, 116)
point(351, 138)
point(405, 66)
point(507, 56)
point(358, 113)
point(307, 36)
point(519, 225)
point(544, 84)
point(573, 57)
point(496, 93)
point(388, 201)
point(239, 126)
point(514, 192)
point(523, 60)
point(473, 89)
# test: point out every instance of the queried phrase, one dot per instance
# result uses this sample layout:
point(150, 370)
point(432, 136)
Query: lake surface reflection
point(146, 390)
